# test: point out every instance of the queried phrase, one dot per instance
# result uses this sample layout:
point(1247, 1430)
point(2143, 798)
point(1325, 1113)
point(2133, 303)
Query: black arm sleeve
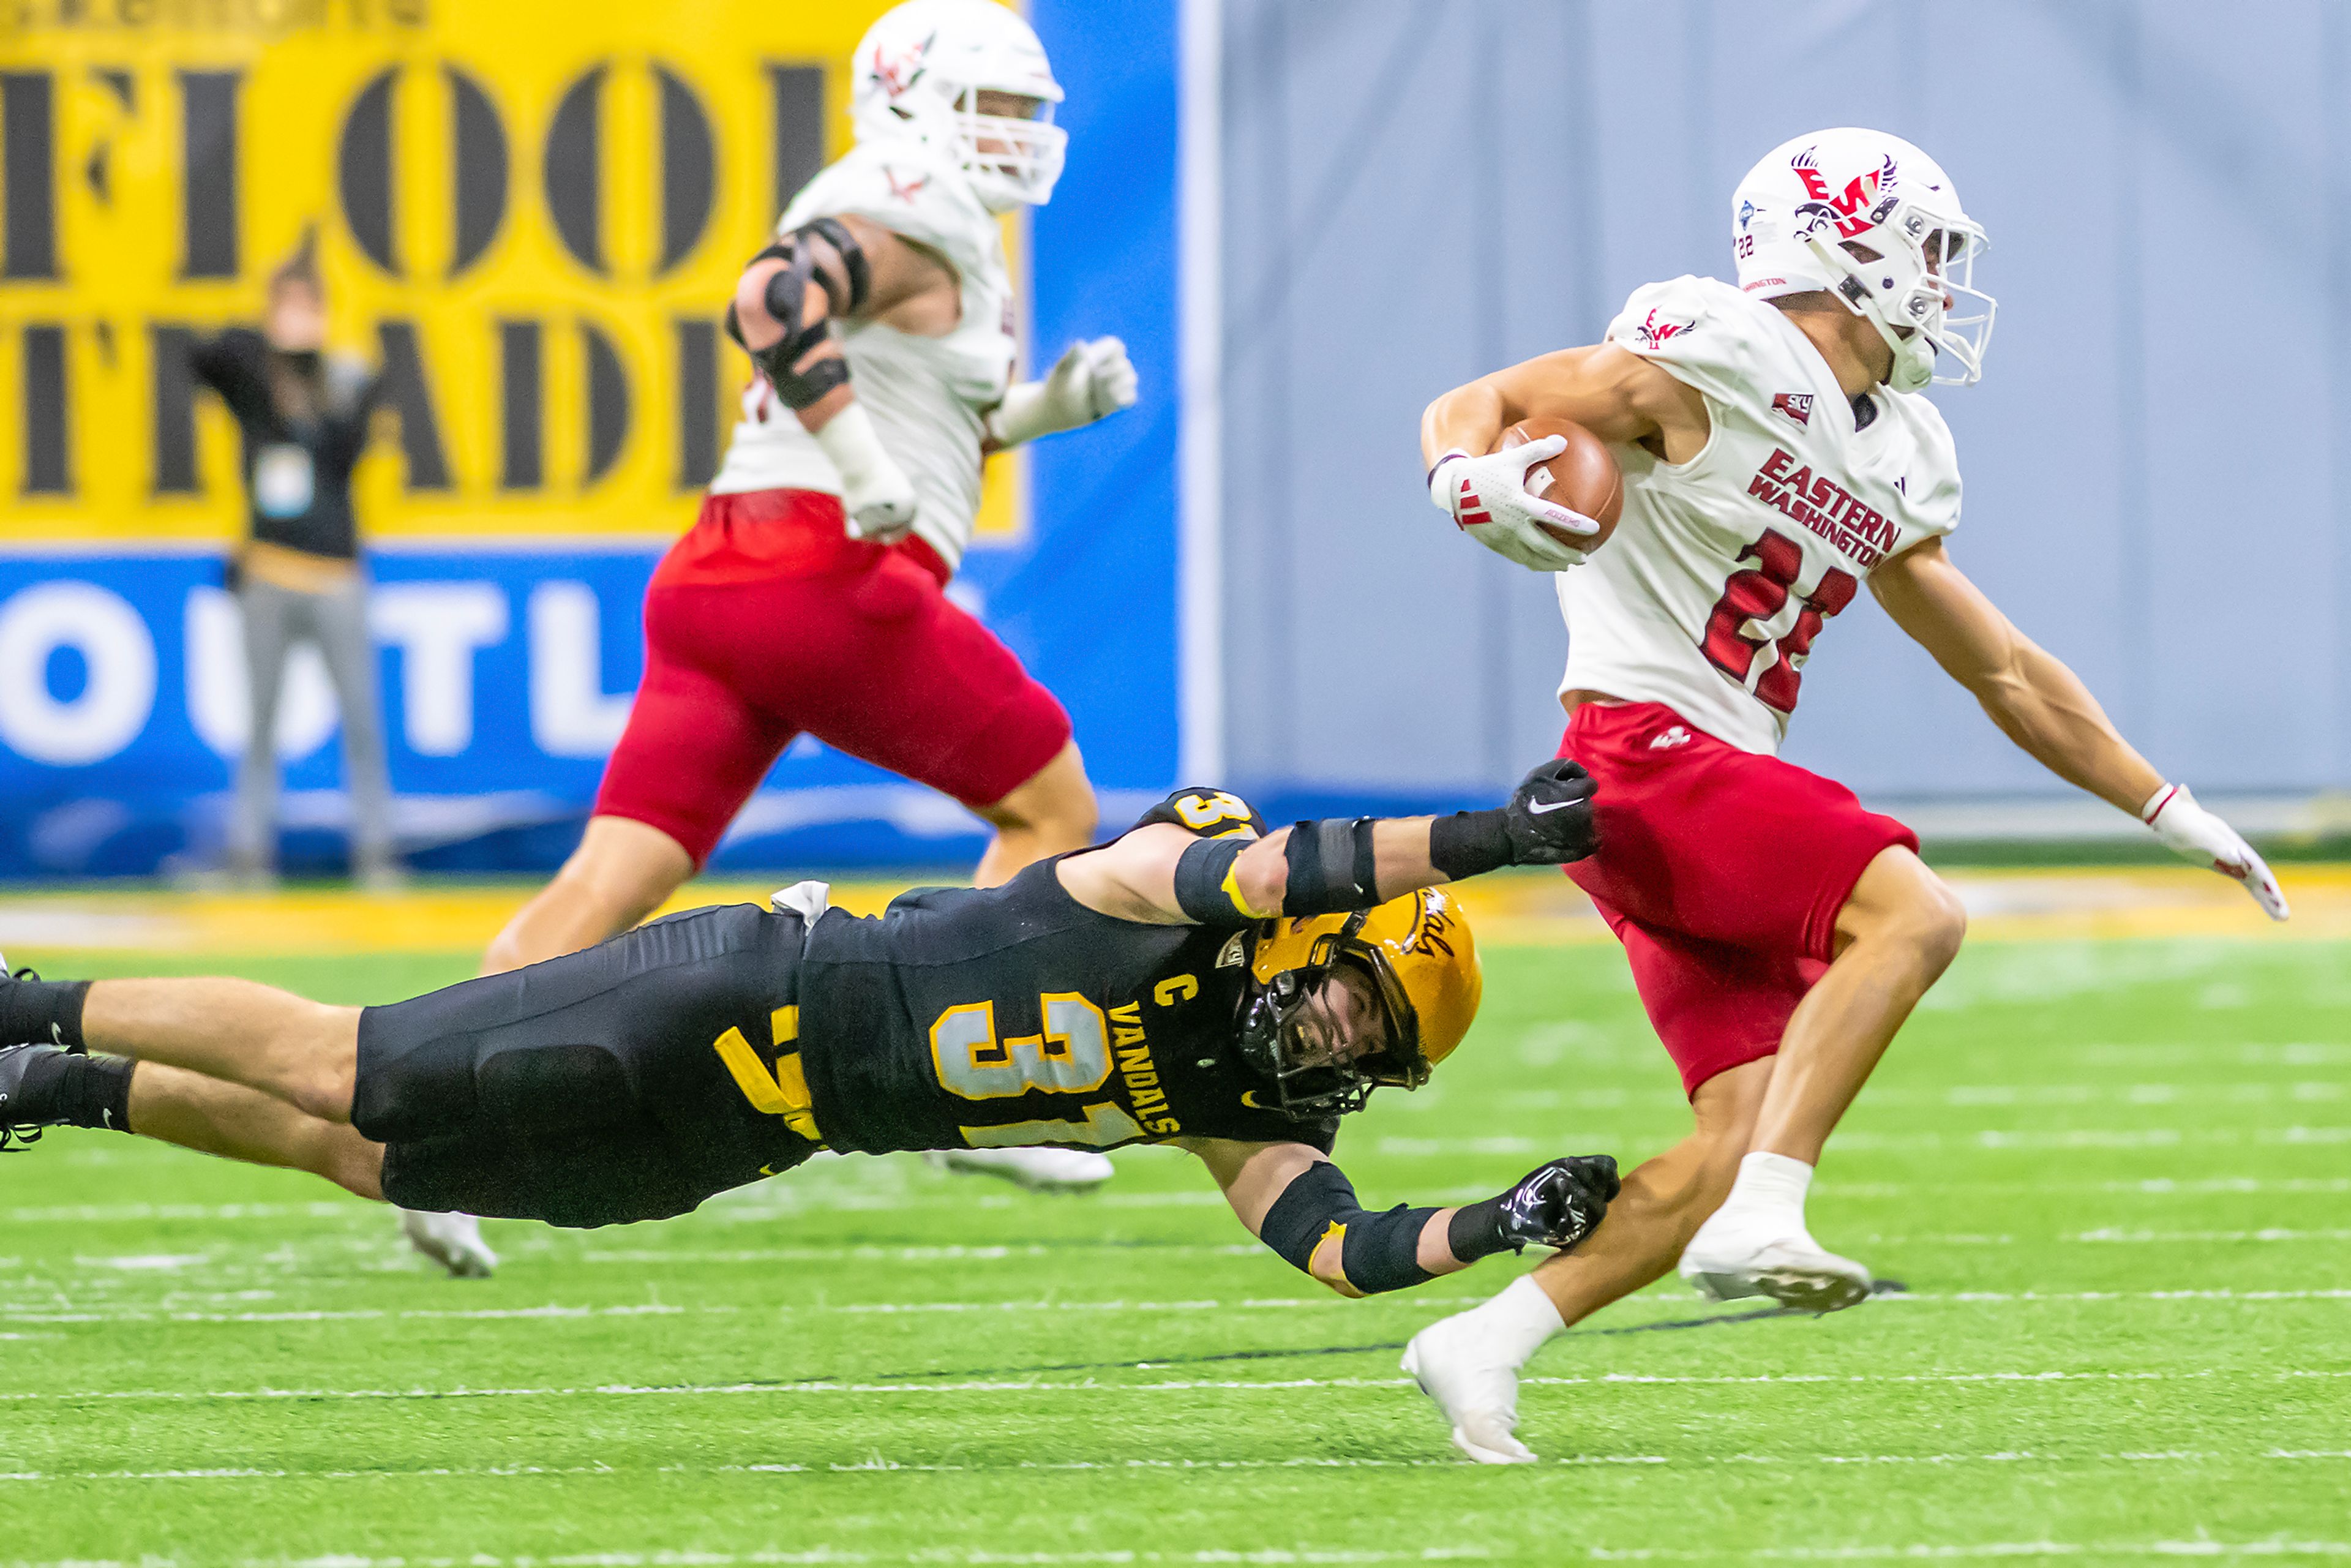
point(1330, 867)
point(1204, 890)
point(1377, 1251)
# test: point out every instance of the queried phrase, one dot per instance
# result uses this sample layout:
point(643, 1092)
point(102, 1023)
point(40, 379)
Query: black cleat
point(23, 1118)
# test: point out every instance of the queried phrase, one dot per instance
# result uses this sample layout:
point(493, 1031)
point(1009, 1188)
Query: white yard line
point(1907, 1142)
point(558, 1313)
point(2168, 1238)
point(1303, 1461)
point(1171, 1386)
point(2150, 1187)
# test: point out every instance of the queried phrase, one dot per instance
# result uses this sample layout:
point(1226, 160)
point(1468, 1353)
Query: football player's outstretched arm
point(1161, 874)
point(1298, 1202)
point(2043, 706)
point(843, 269)
point(1616, 395)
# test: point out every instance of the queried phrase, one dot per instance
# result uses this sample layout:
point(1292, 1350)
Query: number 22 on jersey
point(1737, 634)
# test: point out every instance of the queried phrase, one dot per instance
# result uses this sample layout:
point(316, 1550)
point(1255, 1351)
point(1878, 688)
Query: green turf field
point(2116, 1178)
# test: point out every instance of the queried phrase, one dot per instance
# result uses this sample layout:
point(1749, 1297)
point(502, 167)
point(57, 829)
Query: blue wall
point(1419, 191)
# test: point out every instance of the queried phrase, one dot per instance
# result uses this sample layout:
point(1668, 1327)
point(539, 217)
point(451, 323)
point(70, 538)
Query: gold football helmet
point(1422, 961)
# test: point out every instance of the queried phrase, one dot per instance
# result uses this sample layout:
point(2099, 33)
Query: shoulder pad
point(903, 187)
point(1705, 333)
point(1211, 813)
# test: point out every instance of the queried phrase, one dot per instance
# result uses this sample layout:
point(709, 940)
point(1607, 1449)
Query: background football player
point(1196, 982)
point(1777, 454)
point(809, 595)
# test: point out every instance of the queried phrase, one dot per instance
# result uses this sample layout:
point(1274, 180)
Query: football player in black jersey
point(1199, 981)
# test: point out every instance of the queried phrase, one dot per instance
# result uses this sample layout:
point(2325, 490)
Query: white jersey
point(926, 395)
point(1723, 569)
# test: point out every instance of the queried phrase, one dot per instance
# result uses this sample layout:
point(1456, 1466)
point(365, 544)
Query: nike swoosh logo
point(1555, 806)
point(1248, 1098)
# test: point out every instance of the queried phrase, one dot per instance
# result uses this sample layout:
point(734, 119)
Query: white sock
point(1519, 1319)
point(1772, 1185)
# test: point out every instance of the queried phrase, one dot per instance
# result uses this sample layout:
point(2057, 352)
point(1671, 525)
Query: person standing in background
point(303, 416)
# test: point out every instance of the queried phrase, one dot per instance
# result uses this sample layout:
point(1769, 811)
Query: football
point(1585, 477)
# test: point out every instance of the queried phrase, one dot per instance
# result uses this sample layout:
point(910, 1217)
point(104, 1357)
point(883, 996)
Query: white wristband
point(1015, 420)
point(850, 439)
point(2156, 803)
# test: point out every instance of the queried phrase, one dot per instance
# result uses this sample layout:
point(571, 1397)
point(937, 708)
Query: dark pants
point(587, 1090)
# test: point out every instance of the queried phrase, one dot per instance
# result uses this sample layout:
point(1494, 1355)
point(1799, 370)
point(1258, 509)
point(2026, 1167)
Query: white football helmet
point(1799, 217)
point(920, 72)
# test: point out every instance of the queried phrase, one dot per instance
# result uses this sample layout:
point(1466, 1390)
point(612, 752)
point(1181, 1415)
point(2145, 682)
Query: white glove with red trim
point(2198, 835)
point(1486, 498)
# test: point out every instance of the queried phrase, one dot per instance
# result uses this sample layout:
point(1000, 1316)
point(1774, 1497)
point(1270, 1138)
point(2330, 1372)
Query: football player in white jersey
point(808, 597)
point(1778, 454)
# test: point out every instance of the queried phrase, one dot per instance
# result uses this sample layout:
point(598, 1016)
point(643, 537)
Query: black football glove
point(1549, 819)
point(1554, 1204)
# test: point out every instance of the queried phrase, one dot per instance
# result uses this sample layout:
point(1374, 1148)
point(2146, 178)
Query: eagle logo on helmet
point(896, 76)
point(1843, 209)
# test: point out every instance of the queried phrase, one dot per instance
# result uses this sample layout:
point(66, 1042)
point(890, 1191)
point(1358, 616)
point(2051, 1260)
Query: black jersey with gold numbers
point(989, 1017)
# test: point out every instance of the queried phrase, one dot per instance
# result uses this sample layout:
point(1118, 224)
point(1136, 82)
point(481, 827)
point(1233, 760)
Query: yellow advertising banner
point(530, 214)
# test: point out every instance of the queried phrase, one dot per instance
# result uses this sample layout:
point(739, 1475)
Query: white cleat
point(453, 1240)
point(1456, 1363)
point(1733, 1256)
point(1040, 1169)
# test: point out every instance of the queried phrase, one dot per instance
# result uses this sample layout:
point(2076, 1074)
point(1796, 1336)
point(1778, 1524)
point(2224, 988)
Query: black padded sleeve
point(1331, 862)
point(1377, 1252)
point(1469, 843)
point(1205, 889)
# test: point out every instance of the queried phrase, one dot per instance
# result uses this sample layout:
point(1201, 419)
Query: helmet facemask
point(1012, 160)
point(1309, 1084)
point(1923, 269)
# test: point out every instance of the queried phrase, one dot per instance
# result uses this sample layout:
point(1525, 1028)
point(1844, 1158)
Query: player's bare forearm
point(2031, 695)
point(1616, 395)
point(2044, 707)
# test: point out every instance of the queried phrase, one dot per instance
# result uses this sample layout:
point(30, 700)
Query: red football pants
point(1721, 872)
point(766, 620)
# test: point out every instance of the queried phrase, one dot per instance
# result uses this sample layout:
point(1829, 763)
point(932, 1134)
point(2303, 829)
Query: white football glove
point(1487, 499)
point(874, 491)
point(1092, 381)
point(2191, 830)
